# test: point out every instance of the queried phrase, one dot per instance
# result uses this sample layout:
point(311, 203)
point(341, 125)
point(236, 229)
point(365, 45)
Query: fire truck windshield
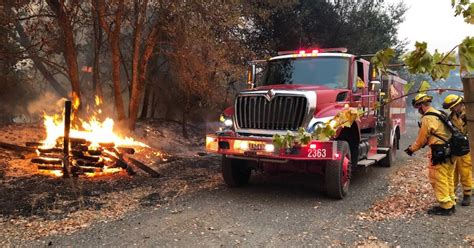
point(332, 72)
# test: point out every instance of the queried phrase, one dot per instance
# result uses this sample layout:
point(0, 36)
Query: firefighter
point(441, 170)
point(462, 164)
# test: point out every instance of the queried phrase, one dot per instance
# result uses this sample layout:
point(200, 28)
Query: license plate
point(322, 150)
point(256, 146)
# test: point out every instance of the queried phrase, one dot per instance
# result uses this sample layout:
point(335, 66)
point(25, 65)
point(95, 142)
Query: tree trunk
point(96, 87)
point(114, 40)
point(137, 88)
point(24, 40)
point(146, 100)
point(115, 49)
point(70, 54)
point(468, 86)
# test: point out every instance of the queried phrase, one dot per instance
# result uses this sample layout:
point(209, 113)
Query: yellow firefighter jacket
point(430, 125)
point(459, 121)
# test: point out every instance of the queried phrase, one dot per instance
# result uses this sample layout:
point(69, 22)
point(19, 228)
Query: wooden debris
point(16, 147)
point(142, 166)
point(43, 160)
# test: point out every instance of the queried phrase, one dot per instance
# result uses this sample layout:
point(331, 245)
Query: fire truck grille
point(281, 113)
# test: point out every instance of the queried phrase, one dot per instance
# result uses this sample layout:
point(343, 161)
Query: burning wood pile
point(93, 150)
point(105, 159)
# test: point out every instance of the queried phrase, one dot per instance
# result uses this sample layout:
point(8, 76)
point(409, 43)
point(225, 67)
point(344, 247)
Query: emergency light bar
point(315, 51)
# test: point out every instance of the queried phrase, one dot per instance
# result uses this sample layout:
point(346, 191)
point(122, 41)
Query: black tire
point(338, 172)
point(236, 172)
point(390, 158)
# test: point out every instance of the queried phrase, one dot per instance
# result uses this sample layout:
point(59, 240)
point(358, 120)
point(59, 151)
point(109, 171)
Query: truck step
point(371, 160)
point(383, 150)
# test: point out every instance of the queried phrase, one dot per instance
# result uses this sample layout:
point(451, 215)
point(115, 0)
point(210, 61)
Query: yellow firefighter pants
point(463, 173)
point(441, 177)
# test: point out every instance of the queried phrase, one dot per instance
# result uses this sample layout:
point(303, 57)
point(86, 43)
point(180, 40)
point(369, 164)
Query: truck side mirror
point(251, 76)
point(375, 85)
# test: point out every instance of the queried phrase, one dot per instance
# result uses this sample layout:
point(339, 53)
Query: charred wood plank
point(33, 144)
point(17, 148)
point(89, 163)
point(50, 167)
point(79, 141)
point(49, 155)
point(80, 170)
point(81, 148)
point(133, 162)
point(126, 150)
point(43, 160)
point(142, 166)
point(119, 161)
point(94, 152)
point(50, 150)
point(82, 156)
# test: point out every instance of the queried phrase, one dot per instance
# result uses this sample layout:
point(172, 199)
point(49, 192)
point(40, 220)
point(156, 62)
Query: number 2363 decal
point(317, 153)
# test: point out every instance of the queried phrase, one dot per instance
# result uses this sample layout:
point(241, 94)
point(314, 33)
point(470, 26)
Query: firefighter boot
point(437, 210)
point(466, 200)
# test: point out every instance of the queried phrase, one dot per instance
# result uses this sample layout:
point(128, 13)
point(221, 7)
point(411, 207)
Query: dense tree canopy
point(362, 26)
point(157, 58)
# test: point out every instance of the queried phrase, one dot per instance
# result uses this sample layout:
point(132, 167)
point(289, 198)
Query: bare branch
point(36, 16)
point(445, 56)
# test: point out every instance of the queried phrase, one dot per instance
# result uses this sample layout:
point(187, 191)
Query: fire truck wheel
point(338, 172)
point(235, 172)
point(389, 159)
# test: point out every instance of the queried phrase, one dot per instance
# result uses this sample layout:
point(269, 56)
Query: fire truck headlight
point(228, 123)
point(244, 145)
point(269, 148)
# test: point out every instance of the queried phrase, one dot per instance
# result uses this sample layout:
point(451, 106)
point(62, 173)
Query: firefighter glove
point(409, 151)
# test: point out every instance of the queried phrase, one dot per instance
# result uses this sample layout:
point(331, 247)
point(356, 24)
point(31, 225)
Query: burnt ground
point(190, 206)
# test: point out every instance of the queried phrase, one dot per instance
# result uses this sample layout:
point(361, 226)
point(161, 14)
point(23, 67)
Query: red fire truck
point(306, 89)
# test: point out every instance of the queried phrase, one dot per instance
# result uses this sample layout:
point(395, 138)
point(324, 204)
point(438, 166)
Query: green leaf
point(419, 60)
point(302, 137)
point(382, 59)
point(464, 8)
point(469, 14)
point(425, 85)
point(278, 141)
point(441, 66)
point(289, 139)
point(466, 55)
point(408, 87)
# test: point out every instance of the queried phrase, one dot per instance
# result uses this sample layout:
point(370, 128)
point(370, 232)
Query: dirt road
point(277, 211)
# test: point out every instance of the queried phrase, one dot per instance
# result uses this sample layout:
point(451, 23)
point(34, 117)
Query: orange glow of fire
point(93, 130)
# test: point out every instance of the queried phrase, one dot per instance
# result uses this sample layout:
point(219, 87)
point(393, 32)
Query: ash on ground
point(35, 205)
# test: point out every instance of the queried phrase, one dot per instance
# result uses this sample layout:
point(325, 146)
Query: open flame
point(93, 130)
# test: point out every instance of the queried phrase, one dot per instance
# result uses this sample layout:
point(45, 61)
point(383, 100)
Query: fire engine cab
point(306, 89)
